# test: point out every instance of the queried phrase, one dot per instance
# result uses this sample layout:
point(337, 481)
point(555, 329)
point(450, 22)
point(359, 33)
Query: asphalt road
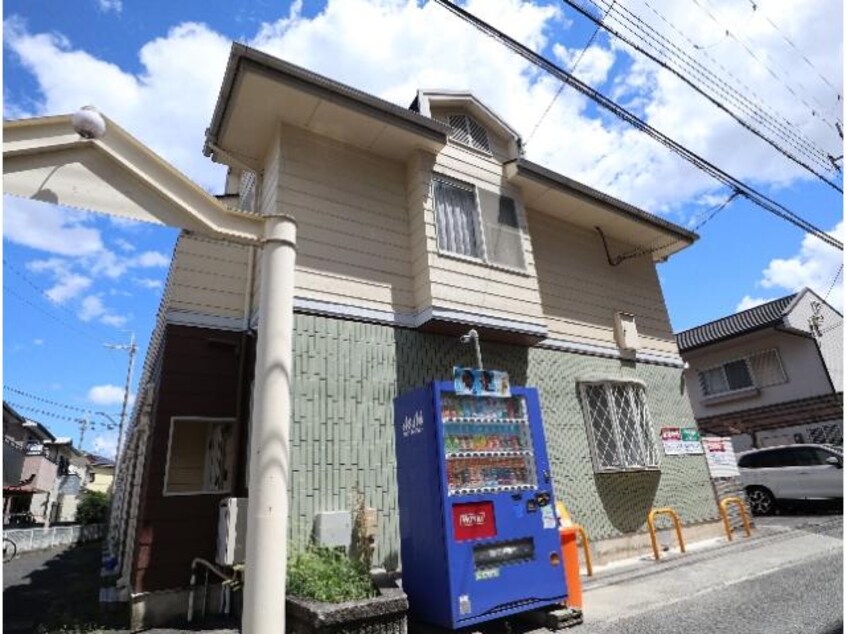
point(803, 598)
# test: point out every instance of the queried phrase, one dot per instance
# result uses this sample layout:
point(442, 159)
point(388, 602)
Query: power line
point(572, 70)
point(708, 94)
point(833, 282)
point(649, 249)
point(754, 56)
point(41, 399)
point(756, 8)
point(758, 110)
point(50, 315)
point(712, 170)
point(43, 294)
point(72, 419)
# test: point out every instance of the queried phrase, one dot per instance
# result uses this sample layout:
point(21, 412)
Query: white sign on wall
point(720, 456)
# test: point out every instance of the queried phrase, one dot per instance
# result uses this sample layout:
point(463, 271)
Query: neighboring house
point(770, 375)
point(73, 475)
point(101, 473)
point(414, 225)
point(28, 444)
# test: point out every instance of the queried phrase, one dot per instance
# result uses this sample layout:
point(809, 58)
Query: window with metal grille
point(503, 239)
point(467, 130)
point(766, 368)
point(619, 426)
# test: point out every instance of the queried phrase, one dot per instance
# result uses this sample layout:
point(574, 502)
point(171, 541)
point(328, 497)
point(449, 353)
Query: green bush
point(327, 575)
point(93, 508)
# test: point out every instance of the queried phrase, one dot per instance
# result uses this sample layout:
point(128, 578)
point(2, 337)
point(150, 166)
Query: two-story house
point(414, 225)
point(31, 465)
point(770, 375)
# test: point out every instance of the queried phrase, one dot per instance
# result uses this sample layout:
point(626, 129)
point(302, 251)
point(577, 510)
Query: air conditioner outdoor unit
point(232, 532)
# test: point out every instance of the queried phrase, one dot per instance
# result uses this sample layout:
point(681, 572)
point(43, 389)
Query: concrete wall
point(831, 332)
point(346, 375)
point(29, 539)
point(43, 469)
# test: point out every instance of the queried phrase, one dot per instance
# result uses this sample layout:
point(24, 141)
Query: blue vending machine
point(477, 514)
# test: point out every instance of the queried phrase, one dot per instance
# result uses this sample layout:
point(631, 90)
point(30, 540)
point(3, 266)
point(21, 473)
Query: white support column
point(267, 515)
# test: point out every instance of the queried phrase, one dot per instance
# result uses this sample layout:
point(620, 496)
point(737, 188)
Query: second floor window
point(457, 218)
point(478, 224)
point(761, 369)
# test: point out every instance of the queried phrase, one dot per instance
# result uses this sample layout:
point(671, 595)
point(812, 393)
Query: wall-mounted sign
point(680, 441)
point(481, 382)
point(719, 453)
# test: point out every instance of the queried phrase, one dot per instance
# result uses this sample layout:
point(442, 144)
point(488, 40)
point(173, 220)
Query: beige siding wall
point(462, 284)
point(209, 277)
point(352, 222)
point(581, 292)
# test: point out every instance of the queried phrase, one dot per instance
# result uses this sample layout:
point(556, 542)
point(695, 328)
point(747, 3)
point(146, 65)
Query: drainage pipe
point(267, 513)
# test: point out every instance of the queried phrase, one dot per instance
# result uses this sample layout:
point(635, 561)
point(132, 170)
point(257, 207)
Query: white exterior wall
point(831, 327)
point(806, 375)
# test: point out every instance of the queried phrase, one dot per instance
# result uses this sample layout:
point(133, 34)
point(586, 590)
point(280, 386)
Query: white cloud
point(46, 227)
point(108, 395)
point(147, 282)
point(92, 308)
point(750, 302)
point(105, 445)
point(125, 245)
point(390, 48)
point(151, 259)
point(110, 5)
point(814, 266)
point(38, 342)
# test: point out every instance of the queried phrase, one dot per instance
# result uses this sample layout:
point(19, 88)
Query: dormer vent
point(466, 130)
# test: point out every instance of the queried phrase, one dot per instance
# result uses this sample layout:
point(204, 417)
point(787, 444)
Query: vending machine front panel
point(499, 533)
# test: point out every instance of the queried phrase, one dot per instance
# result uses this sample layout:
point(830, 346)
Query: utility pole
point(132, 348)
point(83, 425)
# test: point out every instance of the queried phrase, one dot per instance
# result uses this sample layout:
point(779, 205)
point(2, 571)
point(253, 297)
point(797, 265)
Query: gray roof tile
point(769, 314)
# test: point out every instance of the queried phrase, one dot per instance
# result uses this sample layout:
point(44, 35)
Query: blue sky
point(74, 281)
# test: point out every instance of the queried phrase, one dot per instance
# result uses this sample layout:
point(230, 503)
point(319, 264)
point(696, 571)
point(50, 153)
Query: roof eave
point(242, 58)
point(559, 181)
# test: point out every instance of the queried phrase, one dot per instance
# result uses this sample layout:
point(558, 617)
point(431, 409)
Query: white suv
point(792, 472)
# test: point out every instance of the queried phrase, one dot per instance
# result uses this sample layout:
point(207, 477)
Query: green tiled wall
point(346, 375)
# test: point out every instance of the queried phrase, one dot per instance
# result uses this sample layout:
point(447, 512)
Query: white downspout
point(267, 514)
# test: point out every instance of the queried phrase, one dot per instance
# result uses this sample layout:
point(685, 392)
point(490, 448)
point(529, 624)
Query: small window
point(619, 426)
point(200, 456)
point(728, 377)
point(467, 130)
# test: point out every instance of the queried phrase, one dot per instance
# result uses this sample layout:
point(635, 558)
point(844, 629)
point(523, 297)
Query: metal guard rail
point(724, 512)
point(650, 520)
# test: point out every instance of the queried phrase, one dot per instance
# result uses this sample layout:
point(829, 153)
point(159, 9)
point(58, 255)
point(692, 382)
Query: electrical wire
point(758, 110)
point(77, 419)
point(772, 73)
point(41, 399)
point(756, 8)
point(833, 282)
point(708, 93)
point(572, 71)
point(773, 207)
point(48, 314)
point(755, 109)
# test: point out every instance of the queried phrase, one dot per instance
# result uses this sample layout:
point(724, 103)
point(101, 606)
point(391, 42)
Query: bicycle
point(10, 549)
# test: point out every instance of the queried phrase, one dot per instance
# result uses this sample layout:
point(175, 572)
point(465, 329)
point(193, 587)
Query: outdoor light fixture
point(88, 123)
